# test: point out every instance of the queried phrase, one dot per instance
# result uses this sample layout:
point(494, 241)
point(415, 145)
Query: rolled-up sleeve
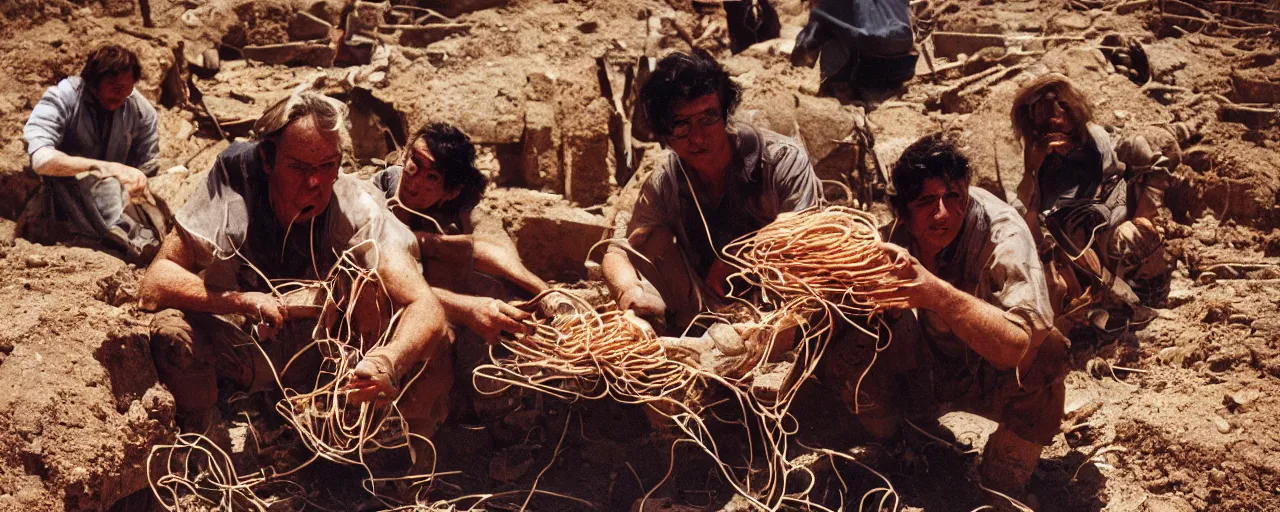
point(205, 220)
point(1016, 278)
point(797, 185)
point(653, 208)
point(144, 150)
point(48, 121)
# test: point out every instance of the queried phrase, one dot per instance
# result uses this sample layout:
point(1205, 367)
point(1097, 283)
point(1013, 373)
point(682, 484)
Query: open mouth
point(307, 209)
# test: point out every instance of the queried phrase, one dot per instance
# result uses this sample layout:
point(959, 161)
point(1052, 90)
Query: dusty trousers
point(910, 379)
point(196, 353)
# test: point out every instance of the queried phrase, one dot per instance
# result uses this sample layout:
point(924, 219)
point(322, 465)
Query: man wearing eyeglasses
point(722, 180)
point(279, 209)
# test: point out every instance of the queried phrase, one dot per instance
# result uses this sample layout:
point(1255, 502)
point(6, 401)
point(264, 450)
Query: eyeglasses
point(681, 128)
point(310, 170)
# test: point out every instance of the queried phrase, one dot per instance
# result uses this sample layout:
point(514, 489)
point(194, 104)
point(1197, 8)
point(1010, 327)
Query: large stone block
point(588, 159)
point(294, 54)
point(951, 44)
point(306, 26)
point(540, 150)
point(823, 124)
point(554, 241)
point(1255, 87)
point(458, 7)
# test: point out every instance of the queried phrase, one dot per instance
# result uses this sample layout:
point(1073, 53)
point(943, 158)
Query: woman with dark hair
point(433, 192)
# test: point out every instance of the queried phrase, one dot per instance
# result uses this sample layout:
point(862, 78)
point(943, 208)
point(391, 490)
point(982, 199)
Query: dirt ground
point(1188, 422)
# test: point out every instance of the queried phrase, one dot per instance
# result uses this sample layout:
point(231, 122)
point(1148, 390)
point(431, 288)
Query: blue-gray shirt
point(68, 119)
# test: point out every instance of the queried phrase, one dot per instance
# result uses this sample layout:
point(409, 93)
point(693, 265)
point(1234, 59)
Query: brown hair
point(109, 60)
point(1077, 105)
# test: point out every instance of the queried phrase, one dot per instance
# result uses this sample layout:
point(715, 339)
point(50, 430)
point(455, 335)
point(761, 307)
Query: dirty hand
point(372, 380)
point(171, 326)
point(491, 317)
point(644, 299)
point(1058, 143)
point(555, 304)
point(266, 309)
point(133, 180)
point(922, 288)
point(723, 350)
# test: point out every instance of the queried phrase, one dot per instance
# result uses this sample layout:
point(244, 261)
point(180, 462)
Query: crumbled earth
point(1183, 420)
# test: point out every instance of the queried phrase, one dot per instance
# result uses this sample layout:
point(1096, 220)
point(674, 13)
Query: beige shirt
point(994, 259)
point(771, 174)
point(229, 221)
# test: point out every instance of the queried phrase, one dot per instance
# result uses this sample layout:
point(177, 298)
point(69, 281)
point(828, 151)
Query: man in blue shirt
point(87, 129)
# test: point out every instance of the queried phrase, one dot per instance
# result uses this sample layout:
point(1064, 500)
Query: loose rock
point(1222, 425)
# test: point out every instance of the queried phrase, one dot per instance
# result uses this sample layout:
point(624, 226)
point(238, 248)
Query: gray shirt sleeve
point(212, 218)
point(144, 151)
point(365, 225)
point(652, 209)
point(1016, 278)
point(796, 183)
point(48, 119)
point(656, 203)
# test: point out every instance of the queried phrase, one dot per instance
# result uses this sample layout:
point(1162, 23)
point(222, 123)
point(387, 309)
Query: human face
point(1051, 116)
point(935, 217)
point(306, 166)
point(113, 90)
point(422, 185)
point(698, 135)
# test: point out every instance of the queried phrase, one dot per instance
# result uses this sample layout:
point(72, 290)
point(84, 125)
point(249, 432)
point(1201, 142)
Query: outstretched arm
point(502, 260)
point(982, 326)
point(488, 256)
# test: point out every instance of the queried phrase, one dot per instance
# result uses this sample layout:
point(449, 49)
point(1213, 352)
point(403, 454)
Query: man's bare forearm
point(493, 259)
point(64, 165)
point(455, 306)
point(167, 285)
point(422, 324)
point(983, 327)
point(619, 274)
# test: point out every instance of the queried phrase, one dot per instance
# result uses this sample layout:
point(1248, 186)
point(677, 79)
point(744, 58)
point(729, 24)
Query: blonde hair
point(330, 116)
point(1077, 105)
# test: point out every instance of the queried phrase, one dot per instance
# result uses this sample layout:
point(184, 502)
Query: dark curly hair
point(109, 60)
point(934, 156)
point(681, 77)
point(455, 157)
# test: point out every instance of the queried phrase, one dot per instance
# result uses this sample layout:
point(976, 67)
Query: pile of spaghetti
point(831, 255)
point(588, 354)
point(194, 473)
point(821, 265)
